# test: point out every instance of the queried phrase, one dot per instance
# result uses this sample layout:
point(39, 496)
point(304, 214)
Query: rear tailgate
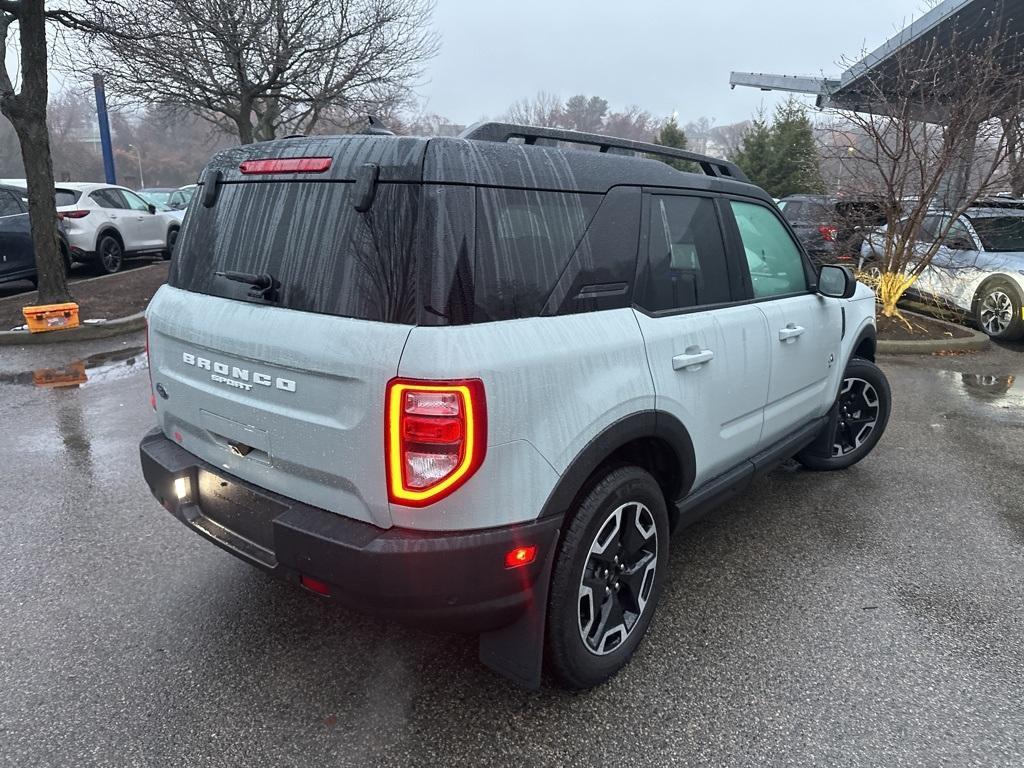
point(290, 401)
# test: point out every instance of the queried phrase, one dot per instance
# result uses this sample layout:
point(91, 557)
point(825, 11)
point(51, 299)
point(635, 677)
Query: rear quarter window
point(67, 196)
point(524, 240)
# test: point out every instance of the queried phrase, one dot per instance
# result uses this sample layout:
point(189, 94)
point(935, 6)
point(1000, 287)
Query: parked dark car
point(17, 255)
point(832, 229)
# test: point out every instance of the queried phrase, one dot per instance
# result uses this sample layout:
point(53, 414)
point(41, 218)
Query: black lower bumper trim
point(455, 580)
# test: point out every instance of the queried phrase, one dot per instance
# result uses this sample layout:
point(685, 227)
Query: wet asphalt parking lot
point(872, 617)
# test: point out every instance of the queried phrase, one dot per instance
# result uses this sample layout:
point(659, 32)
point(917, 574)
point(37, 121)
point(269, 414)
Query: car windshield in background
point(156, 198)
point(1000, 233)
point(67, 197)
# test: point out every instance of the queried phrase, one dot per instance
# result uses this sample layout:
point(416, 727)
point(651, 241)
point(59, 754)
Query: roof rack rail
point(502, 132)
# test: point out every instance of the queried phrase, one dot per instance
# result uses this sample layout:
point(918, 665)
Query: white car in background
point(179, 199)
point(105, 224)
point(978, 268)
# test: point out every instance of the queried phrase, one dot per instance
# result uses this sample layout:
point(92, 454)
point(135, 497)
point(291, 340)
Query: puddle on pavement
point(102, 367)
point(993, 389)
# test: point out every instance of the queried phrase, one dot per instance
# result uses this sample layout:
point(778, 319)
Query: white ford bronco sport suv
point(476, 382)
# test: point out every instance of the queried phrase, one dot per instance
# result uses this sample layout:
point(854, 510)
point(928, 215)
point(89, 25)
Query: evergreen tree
point(671, 135)
point(754, 157)
point(794, 158)
point(781, 157)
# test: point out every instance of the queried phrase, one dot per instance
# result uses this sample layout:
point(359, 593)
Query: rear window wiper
point(263, 286)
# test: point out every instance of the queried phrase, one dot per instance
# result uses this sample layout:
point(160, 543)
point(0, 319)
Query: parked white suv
point(476, 382)
point(105, 224)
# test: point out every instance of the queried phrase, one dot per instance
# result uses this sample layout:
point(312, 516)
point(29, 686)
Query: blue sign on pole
point(101, 115)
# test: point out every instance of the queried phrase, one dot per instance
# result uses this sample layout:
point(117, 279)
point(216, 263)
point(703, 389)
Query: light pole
point(839, 177)
point(138, 156)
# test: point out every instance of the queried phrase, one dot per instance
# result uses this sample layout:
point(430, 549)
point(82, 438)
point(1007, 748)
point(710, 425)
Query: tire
point(614, 554)
point(172, 238)
point(109, 255)
point(865, 402)
point(997, 310)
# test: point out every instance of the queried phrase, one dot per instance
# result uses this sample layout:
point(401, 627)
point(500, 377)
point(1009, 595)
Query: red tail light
point(828, 232)
point(81, 214)
point(286, 165)
point(436, 436)
point(149, 365)
point(520, 556)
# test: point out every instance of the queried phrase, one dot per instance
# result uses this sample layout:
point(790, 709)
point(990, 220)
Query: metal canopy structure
point(961, 22)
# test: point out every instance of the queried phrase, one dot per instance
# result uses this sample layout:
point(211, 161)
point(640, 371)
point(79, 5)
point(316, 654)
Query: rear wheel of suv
point(864, 402)
point(607, 578)
point(998, 310)
point(109, 255)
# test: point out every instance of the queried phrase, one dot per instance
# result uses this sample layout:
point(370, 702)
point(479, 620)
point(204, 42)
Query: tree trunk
point(27, 113)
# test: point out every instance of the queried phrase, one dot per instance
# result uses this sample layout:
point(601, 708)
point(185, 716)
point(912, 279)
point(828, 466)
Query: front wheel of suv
point(864, 404)
point(172, 238)
point(109, 255)
point(998, 310)
point(607, 578)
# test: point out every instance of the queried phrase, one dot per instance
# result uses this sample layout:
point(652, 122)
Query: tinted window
point(807, 212)
point(328, 257)
point(108, 198)
point(9, 204)
point(685, 257)
point(1000, 233)
point(67, 196)
point(133, 201)
point(524, 241)
point(776, 266)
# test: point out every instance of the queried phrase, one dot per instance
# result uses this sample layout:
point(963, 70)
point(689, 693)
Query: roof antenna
point(375, 127)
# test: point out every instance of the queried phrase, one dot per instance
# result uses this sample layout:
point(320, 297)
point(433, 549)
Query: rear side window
point(67, 196)
point(328, 257)
point(524, 240)
point(108, 198)
point(9, 204)
point(686, 265)
point(776, 266)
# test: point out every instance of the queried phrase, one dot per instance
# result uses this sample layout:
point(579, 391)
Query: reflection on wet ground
point(991, 395)
point(101, 367)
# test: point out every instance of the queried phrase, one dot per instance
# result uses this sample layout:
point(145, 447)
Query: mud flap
point(822, 445)
point(517, 651)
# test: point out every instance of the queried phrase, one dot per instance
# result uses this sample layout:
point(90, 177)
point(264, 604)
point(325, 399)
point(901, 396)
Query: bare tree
point(926, 135)
point(544, 110)
point(260, 68)
point(24, 104)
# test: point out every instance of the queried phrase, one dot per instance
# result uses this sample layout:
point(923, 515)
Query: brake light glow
point(315, 585)
point(435, 437)
point(80, 214)
point(828, 232)
point(520, 556)
point(286, 165)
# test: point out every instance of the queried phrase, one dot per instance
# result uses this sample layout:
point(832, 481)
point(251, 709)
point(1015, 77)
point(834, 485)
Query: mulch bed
point(105, 298)
point(921, 329)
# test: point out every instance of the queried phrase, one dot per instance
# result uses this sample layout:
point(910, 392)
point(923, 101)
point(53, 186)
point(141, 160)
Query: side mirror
point(152, 208)
point(959, 243)
point(836, 282)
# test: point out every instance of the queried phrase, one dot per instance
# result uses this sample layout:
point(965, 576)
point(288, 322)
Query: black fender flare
point(652, 424)
point(868, 334)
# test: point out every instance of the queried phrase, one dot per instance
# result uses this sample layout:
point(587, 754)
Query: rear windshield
point(807, 212)
point(328, 257)
point(1000, 233)
point(67, 196)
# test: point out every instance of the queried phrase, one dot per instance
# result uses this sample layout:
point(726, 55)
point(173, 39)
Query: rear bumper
point(456, 581)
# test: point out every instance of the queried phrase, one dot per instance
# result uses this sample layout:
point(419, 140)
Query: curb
point(973, 343)
point(115, 327)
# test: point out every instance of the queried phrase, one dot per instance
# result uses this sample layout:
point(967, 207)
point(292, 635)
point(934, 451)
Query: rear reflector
point(520, 556)
point(315, 585)
point(286, 165)
point(435, 437)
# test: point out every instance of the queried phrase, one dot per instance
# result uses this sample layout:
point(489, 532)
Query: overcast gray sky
point(661, 55)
